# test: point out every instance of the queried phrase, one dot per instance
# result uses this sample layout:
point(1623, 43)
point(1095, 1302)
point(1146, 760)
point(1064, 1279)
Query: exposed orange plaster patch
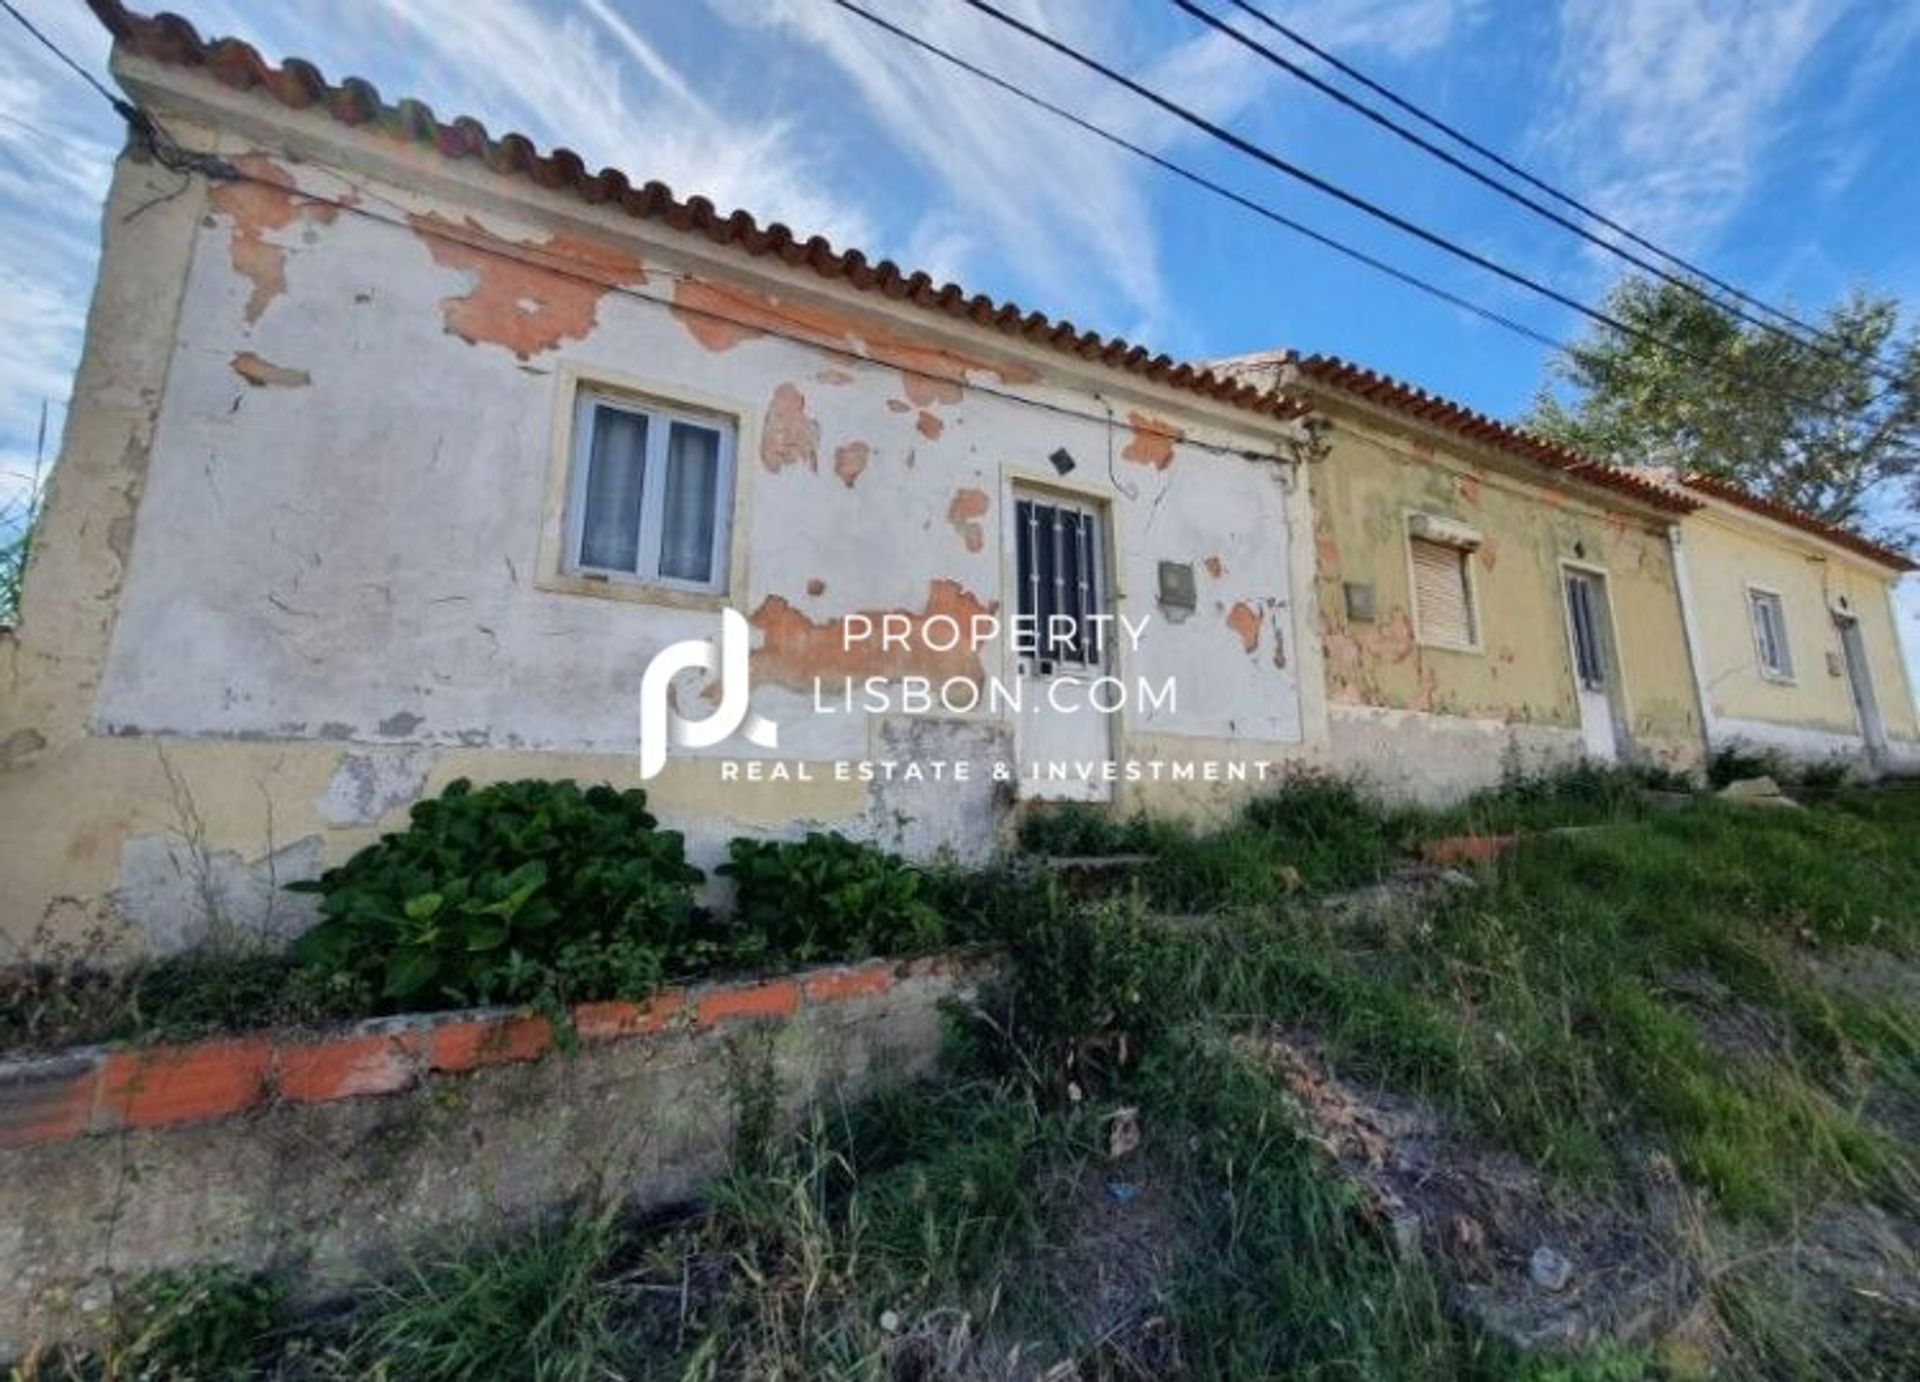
point(796, 652)
point(722, 315)
point(263, 373)
point(924, 391)
point(816, 587)
point(969, 506)
point(1153, 440)
point(1467, 487)
point(1489, 553)
point(839, 378)
point(1329, 553)
point(527, 297)
point(850, 460)
point(1215, 567)
point(789, 436)
point(1555, 498)
point(1244, 620)
point(266, 199)
point(930, 426)
point(1355, 655)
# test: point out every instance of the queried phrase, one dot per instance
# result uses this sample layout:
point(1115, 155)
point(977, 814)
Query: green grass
point(1662, 983)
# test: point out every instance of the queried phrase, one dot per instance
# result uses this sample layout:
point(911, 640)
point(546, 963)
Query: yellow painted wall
point(1376, 473)
point(1728, 552)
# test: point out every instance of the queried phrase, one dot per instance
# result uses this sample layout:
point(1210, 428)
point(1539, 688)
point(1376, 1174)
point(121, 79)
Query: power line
point(1452, 132)
point(172, 155)
point(1494, 184)
point(1369, 208)
point(126, 109)
point(1258, 208)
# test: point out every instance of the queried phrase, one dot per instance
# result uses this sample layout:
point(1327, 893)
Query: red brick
point(1463, 849)
point(838, 984)
point(47, 1100)
point(780, 998)
point(612, 1020)
point(458, 1047)
point(346, 1068)
point(183, 1084)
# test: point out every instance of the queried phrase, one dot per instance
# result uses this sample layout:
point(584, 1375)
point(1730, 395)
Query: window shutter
point(1440, 593)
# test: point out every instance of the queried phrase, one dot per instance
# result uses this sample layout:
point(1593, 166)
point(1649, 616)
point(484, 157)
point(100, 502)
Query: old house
point(398, 452)
point(1796, 640)
point(1488, 603)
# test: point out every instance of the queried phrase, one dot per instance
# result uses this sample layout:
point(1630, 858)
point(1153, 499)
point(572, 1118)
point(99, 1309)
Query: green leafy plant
point(196, 1325)
point(825, 898)
point(1070, 829)
point(511, 893)
point(1732, 762)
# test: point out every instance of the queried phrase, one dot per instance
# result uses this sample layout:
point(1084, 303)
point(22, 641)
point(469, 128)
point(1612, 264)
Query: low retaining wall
point(325, 1156)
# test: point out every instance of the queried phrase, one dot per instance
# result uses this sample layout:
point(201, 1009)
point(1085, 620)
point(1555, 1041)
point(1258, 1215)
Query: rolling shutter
point(1440, 593)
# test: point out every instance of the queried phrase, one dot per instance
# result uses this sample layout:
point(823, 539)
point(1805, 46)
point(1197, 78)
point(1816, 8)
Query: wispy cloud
point(586, 78)
point(57, 141)
point(1394, 29)
point(1071, 220)
point(1667, 107)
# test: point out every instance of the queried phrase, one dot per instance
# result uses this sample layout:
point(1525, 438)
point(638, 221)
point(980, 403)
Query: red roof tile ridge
point(1383, 390)
point(1739, 495)
point(298, 84)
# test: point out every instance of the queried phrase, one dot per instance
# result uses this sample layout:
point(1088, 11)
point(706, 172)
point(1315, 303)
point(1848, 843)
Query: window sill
point(631, 592)
point(1472, 649)
point(1779, 678)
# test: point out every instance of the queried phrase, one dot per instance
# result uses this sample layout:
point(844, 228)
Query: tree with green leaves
point(1828, 423)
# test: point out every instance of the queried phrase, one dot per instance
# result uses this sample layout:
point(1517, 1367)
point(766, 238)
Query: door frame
point(1617, 696)
point(1865, 698)
point(1015, 482)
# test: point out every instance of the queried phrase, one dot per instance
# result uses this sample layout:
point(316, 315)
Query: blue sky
point(1771, 141)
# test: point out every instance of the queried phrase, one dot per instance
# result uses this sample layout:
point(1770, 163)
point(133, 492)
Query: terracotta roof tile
point(1328, 371)
point(1782, 513)
point(298, 84)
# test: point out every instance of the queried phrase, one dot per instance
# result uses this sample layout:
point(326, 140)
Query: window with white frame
point(650, 495)
point(1443, 594)
point(1770, 634)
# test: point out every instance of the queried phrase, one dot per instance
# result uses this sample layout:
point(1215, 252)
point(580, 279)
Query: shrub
point(515, 892)
point(1334, 834)
point(1084, 983)
point(197, 1325)
point(1071, 830)
point(1732, 762)
point(825, 898)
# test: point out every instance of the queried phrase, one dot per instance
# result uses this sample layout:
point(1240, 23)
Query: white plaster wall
point(355, 558)
point(1411, 755)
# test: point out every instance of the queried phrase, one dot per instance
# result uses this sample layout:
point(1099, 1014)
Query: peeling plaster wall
point(1811, 716)
point(344, 588)
point(1435, 722)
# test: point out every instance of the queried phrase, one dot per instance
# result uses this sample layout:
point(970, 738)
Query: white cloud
point(1067, 214)
point(1397, 29)
point(587, 79)
point(1070, 217)
point(57, 141)
point(1907, 604)
point(1666, 108)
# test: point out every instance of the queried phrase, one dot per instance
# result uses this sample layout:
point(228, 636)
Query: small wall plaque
point(1359, 601)
point(1176, 586)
